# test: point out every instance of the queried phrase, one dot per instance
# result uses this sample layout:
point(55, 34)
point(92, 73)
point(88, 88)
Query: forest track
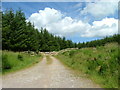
point(42, 75)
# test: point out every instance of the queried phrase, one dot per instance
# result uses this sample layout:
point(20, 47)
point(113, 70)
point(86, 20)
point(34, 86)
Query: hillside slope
point(100, 63)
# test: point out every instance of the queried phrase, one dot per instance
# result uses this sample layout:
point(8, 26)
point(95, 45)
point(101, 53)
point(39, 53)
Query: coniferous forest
point(20, 35)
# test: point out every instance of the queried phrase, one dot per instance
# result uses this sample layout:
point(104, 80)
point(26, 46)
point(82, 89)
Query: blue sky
point(32, 7)
point(77, 21)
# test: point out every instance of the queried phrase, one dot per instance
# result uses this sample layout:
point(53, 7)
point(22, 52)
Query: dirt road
point(42, 75)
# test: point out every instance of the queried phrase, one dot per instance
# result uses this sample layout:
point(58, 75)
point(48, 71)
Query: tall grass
point(13, 61)
point(100, 63)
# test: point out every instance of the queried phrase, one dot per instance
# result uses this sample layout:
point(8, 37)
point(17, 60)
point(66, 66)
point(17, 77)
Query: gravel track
point(42, 75)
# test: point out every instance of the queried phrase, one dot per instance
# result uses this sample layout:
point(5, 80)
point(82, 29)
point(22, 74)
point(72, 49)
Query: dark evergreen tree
point(19, 35)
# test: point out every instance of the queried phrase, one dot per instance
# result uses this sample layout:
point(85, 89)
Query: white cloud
point(101, 9)
point(106, 27)
point(67, 26)
point(45, 17)
point(55, 22)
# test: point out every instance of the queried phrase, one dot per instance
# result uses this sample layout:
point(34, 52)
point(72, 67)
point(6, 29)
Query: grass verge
point(99, 63)
point(14, 61)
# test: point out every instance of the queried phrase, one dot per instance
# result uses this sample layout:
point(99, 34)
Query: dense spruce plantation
point(20, 35)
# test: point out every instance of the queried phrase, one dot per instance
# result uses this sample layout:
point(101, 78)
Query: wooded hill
point(100, 42)
point(20, 35)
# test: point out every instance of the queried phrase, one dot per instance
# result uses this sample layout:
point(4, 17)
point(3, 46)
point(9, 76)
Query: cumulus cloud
point(59, 24)
point(105, 27)
point(100, 9)
point(55, 22)
point(45, 17)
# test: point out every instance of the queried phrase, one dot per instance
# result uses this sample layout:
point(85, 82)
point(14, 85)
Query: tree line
point(100, 42)
point(20, 35)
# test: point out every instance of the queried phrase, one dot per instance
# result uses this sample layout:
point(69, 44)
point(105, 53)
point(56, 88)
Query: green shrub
point(99, 56)
point(5, 62)
point(37, 52)
point(29, 52)
point(20, 57)
point(71, 53)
